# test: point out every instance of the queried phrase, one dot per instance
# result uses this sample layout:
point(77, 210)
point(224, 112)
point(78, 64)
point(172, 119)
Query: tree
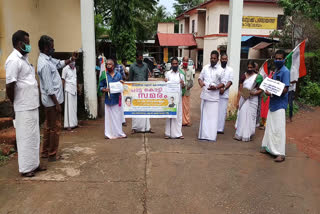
point(122, 32)
point(301, 22)
point(310, 8)
point(183, 5)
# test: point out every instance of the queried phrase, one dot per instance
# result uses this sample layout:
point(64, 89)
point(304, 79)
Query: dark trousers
point(290, 101)
point(51, 132)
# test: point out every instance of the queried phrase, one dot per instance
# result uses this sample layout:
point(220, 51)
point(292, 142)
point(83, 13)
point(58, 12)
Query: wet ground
point(148, 174)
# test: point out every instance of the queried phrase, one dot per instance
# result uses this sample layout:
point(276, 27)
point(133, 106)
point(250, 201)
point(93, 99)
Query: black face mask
point(250, 71)
point(139, 61)
point(174, 68)
point(224, 64)
point(51, 51)
point(213, 63)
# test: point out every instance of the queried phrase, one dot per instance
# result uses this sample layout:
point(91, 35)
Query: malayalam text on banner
point(150, 99)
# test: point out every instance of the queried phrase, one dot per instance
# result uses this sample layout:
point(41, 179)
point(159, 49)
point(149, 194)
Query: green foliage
point(294, 111)
point(232, 116)
point(183, 5)
point(310, 8)
point(139, 11)
point(3, 159)
point(310, 92)
point(122, 31)
point(99, 26)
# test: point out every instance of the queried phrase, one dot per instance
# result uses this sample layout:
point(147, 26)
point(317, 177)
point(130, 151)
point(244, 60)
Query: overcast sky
point(168, 4)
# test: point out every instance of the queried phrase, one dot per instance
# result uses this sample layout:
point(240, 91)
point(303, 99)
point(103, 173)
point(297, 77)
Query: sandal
point(166, 137)
point(40, 169)
point(181, 137)
point(28, 174)
point(279, 159)
point(55, 158)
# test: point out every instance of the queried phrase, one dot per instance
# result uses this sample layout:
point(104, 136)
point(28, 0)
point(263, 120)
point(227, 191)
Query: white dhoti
point(141, 124)
point(223, 105)
point(70, 110)
point(246, 120)
point(174, 125)
point(28, 140)
point(113, 122)
point(209, 120)
point(274, 139)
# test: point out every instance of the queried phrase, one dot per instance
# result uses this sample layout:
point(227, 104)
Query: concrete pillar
point(234, 47)
point(89, 57)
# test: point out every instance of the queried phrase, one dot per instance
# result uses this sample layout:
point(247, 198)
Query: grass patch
point(232, 116)
point(3, 159)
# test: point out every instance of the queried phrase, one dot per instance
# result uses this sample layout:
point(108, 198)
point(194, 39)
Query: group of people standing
point(23, 91)
point(215, 80)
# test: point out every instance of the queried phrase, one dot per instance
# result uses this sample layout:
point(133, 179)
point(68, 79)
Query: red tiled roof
point(176, 39)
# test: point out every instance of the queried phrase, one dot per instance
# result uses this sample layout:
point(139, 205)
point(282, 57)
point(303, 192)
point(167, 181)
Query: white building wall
point(195, 18)
point(210, 44)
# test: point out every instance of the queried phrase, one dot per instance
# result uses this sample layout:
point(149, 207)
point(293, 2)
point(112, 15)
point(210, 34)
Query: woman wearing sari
point(248, 103)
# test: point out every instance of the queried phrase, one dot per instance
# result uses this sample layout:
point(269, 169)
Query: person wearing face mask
point(173, 128)
point(113, 112)
point(211, 80)
point(224, 92)
point(139, 71)
point(69, 82)
point(51, 95)
point(186, 120)
point(274, 139)
point(248, 103)
point(22, 90)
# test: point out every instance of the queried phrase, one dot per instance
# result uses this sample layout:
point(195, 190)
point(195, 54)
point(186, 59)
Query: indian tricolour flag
point(295, 62)
point(264, 69)
point(102, 75)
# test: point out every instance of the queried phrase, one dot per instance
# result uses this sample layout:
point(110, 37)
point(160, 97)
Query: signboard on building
point(258, 22)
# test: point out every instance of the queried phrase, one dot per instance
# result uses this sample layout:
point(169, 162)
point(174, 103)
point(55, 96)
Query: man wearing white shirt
point(22, 90)
point(211, 80)
point(174, 125)
point(69, 80)
point(224, 92)
point(51, 95)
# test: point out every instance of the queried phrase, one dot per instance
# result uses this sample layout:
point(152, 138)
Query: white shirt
point(70, 77)
point(211, 76)
point(26, 92)
point(228, 77)
point(50, 80)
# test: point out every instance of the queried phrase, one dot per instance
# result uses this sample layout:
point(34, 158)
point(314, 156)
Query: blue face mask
point(27, 48)
point(279, 63)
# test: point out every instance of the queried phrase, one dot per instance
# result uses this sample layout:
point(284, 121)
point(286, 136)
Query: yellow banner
point(258, 22)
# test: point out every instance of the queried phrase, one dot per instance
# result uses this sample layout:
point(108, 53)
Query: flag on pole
point(102, 74)
point(295, 62)
point(264, 69)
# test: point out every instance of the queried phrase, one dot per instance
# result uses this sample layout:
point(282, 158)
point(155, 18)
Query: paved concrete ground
point(150, 175)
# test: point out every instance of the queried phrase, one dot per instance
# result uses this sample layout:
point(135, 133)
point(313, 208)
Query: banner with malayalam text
point(150, 99)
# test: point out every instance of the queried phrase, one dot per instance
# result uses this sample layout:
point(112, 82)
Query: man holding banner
point(174, 125)
point(139, 71)
point(274, 140)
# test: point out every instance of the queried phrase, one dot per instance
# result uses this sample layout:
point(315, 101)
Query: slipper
point(150, 131)
point(55, 158)
point(44, 156)
point(40, 169)
point(166, 137)
point(133, 131)
point(28, 174)
point(279, 159)
point(181, 137)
